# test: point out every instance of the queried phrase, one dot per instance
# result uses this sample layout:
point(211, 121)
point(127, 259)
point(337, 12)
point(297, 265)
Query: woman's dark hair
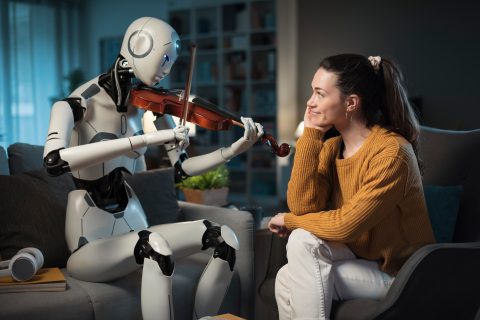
point(383, 96)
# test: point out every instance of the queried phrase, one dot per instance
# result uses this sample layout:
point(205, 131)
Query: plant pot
point(213, 197)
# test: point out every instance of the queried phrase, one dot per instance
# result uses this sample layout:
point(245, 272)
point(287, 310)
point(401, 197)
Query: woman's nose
point(310, 102)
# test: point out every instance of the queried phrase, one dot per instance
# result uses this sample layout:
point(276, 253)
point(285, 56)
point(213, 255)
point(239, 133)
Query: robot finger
point(248, 128)
point(260, 131)
point(252, 129)
point(181, 129)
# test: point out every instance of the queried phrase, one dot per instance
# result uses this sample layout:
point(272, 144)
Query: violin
point(193, 109)
point(200, 112)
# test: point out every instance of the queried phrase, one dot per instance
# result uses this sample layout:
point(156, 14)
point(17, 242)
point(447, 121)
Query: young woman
point(356, 200)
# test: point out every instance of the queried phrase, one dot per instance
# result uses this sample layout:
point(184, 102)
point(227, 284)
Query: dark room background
point(436, 43)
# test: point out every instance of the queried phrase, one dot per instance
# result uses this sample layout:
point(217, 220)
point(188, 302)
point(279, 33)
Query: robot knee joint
point(146, 249)
point(224, 245)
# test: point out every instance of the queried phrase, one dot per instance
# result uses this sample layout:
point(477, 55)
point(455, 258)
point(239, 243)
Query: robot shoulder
point(78, 98)
point(78, 109)
point(87, 90)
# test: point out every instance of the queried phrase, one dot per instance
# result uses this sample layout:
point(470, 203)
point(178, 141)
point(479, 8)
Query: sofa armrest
point(241, 222)
point(436, 273)
point(439, 281)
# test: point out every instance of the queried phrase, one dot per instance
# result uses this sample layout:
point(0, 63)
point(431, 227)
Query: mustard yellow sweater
point(372, 201)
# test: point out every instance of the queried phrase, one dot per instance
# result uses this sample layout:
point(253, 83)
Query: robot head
point(150, 47)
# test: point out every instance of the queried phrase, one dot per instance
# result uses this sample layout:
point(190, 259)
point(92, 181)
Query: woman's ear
point(352, 103)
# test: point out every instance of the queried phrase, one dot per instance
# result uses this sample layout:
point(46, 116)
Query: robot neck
point(117, 83)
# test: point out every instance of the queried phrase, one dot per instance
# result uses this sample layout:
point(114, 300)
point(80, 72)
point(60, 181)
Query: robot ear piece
point(124, 63)
point(24, 265)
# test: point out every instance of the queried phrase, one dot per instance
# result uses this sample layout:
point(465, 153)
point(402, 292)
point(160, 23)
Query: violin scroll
point(282, 151)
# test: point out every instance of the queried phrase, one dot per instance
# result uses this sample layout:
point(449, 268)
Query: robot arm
point(62, 120)
point(95, 153)
point(59, 159)
point(185, 166)
point(197, 165)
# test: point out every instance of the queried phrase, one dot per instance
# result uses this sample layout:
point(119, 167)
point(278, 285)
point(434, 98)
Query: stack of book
point(47, 279)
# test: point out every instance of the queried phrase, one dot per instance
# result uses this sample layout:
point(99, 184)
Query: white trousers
point(319, 271)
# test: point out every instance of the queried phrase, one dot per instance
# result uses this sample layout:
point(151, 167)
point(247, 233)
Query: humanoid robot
point(97, 135)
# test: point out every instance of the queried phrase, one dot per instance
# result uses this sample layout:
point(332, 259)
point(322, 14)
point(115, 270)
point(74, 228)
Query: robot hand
point(253, 131)
point(181, 136)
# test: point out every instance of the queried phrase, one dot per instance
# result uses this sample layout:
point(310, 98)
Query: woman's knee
point(301, 239)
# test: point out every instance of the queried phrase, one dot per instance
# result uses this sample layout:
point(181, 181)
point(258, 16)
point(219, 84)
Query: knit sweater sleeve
point(383, 188)
point(308, 187)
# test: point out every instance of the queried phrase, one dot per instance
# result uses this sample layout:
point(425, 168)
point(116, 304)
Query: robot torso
point(101, 121)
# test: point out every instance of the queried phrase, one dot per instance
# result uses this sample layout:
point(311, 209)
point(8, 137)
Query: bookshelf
point(236, 70)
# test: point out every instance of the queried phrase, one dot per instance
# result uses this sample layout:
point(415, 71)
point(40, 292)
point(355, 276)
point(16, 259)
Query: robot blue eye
point(165, 59)
point(178, 46)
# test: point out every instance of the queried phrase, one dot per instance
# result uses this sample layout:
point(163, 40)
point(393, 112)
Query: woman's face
point(326, 106)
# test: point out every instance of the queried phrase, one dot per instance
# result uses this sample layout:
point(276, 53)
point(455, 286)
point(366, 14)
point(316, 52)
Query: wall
point(436, 43)
point(110, 18)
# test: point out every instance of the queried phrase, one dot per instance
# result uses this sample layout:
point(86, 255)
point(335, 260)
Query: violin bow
point(188, 85)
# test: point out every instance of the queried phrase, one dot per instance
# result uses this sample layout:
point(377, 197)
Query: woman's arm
point(309, 185)
point(384, 187)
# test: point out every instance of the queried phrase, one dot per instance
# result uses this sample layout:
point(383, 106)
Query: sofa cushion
point(3, 162)
point(443, 203)
point(72, 304)
point(23, 157)
point(32, 213)
point(156, 191)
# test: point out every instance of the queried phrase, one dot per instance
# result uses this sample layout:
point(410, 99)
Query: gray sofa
point(32, 213)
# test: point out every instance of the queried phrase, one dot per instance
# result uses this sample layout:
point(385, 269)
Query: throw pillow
point(156, 191)
point(32, 214)
point(23, 157)
point(443, 203)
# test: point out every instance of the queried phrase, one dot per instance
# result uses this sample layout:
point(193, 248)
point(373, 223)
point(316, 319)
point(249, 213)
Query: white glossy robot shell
point(150, 46)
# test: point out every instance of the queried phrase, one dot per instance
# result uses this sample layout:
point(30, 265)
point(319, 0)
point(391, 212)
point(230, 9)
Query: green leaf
point(214, 179)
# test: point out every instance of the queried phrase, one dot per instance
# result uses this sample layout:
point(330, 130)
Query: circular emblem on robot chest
point(140, 44)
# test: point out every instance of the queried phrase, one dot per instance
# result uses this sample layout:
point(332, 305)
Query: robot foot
point(152, 246)
point(223, 240)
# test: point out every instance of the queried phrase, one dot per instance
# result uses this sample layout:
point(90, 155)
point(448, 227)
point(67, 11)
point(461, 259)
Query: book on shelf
point(47, 279)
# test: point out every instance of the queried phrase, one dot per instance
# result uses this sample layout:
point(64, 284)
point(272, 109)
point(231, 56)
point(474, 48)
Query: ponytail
point(396, 109)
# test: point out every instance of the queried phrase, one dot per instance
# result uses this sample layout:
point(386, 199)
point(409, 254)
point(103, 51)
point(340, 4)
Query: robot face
point(151, 47)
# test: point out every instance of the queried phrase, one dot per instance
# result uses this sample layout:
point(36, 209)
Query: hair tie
point(375, 62)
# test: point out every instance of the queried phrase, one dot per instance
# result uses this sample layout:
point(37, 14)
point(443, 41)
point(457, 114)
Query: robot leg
point(217, 275)
point(155, 254)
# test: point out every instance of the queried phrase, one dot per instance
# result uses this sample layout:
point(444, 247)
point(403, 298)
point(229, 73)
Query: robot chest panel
point(103, 122)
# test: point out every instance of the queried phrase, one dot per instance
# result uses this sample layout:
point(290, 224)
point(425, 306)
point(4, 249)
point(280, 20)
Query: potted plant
point(210, 188)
